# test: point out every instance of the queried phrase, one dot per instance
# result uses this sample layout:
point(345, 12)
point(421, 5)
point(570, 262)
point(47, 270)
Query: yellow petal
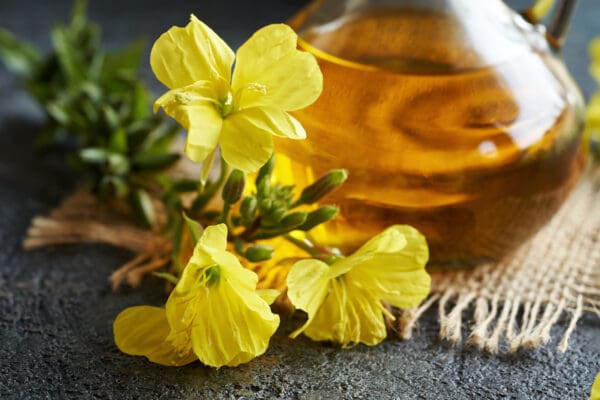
point(234, 272)
point(192, 108)
point(275, 121)
point(268, 295)
point(397, 239)
point(541, 8)
point(141, 331)
point(593, 114)
point(349, 315)
point(245, 142)
point(308, 283)
point(234, 327)
point(595, 55)
point(399, 276)
point(595, 395)
point(215, 237)
point(270, 71)
point(182, 56)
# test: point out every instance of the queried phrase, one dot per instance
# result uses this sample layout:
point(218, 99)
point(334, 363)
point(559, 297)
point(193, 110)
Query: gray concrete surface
point(56, 308)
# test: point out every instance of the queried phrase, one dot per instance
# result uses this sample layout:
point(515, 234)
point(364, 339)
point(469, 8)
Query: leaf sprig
point(97, 110)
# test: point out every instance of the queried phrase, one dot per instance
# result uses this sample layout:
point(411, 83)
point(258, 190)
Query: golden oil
point(476, 149)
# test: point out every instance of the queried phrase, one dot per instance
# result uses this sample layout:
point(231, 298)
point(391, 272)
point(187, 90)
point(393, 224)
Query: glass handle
point(557, 31)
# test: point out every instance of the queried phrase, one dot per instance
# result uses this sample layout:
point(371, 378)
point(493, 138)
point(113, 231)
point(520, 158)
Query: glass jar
point(455, 116)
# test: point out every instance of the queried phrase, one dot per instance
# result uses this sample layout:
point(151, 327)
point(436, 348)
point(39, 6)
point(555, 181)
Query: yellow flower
point(240, 110)
point(214, 314)
point(541, 8)
point(596, 389)
point(595, 55)
point(344, 301)
point(593, 114)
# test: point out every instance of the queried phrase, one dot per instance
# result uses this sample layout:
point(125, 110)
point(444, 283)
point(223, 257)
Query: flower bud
point(234, 187)
point(248, 208)
point(319, 216)
point(259, 253)
point(323, 186)
point(293, 220)
point(265, 172)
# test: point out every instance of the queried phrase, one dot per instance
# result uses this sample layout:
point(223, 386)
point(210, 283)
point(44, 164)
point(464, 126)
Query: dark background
point(56, 308)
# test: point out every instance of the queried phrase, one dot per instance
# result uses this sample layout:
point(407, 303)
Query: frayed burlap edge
point(515, 303)
point(80, 218)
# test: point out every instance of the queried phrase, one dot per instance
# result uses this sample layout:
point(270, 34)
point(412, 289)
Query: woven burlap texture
point(518, 300)
point(507, 305)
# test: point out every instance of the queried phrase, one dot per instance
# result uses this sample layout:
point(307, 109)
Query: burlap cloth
point(520, 299)
point(507, 305)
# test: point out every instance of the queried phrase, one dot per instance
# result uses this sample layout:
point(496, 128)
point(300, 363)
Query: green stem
point(304, 245)
point(225, 215)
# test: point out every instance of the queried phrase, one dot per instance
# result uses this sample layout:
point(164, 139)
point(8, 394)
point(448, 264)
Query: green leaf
point(142, 206)
point(67, 55)
point(140, 102)
point(111, 117)
point(78, 14)
point(185, 186)
point(194, 227)
point(118, 164)
point(18, 56)
point(118, 141)
point(125, 61)
point(161, 139)
point(58, 112)
point(112, 187)
point(154, 162)
point(139, 132)
point(94, 155)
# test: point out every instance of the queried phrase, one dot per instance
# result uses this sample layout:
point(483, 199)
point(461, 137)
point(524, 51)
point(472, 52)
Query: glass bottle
point(455, 116)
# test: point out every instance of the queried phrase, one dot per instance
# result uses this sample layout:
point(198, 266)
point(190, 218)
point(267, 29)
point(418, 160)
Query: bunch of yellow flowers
point(215, 313)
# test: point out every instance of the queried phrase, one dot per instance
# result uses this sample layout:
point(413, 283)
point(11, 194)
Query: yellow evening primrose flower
point(595, 395)
point(237, 108)
point(595, 55)
point(344, 300)
point(214, 314)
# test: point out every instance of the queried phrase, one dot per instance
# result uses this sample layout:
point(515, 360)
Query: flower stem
point(304, 245)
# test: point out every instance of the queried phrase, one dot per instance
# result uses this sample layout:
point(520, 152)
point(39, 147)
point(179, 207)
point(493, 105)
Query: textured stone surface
point(56, 308)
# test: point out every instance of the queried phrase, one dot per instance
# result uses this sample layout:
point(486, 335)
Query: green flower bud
point(265, 205)
point(264, 173)
point(234, 187)
point(259, 253)
point(319, 216)
point(323, 186)
point(293, 220)
point(248, 208)
point(274, 215)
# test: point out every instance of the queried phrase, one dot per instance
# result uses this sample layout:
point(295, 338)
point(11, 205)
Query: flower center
point(212, 275)
point(225, 105)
